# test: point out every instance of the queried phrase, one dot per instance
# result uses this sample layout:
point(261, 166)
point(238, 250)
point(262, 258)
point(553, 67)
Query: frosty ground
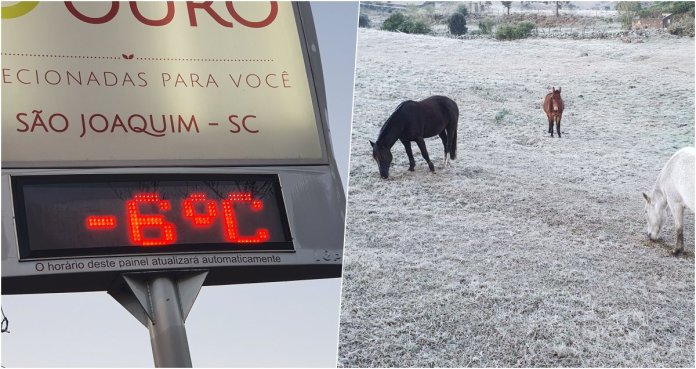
point(528, 250)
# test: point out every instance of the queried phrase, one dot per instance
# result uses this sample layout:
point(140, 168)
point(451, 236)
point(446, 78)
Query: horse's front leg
point(409, 153)
point(550, 118)
point(677, 210)
point(558, 126)
point(421, 145)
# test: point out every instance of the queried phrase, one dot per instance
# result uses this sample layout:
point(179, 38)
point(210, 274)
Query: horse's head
point(655, 215)
point(556, 101)
point(383, 157)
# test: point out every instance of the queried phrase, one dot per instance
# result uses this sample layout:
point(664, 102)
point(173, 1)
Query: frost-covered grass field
point(528, 250)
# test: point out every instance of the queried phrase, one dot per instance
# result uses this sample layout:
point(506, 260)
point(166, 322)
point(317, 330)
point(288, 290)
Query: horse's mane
point(381, 130)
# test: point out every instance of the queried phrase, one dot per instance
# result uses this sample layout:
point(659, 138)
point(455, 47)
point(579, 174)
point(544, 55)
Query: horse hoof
point(411, 169)
point(676, 252)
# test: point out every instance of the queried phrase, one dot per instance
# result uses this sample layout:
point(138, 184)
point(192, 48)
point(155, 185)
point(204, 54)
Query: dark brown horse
point(553, 107)
point(414, 121)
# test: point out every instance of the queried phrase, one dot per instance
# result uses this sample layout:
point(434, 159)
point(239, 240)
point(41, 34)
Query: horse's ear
point(647, 198)
point(559, 89)
point(372, 144)
point(553, 88)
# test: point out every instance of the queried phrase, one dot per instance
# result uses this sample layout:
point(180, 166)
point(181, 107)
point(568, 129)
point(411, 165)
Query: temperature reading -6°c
point(151, 227)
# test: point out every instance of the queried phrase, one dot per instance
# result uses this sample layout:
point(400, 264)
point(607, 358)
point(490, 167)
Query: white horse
point(674, 188)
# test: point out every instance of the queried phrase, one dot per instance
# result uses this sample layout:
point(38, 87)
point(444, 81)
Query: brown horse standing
point(553, 107)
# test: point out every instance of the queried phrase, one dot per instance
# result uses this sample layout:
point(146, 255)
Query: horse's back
point(445, 103)
point(425, 118)
point(677, 176)
point(441, 109)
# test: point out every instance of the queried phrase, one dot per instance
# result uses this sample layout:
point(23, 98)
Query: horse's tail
point(452, 130)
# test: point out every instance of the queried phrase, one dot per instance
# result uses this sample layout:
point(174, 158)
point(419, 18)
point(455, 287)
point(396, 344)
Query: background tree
point(394, 22)
point(507, 4)
point(514, 32)
point(559, 5)
point(682, 7)
point(462, 9)
point(457, 24)
point(627, 10)
point(486, 25)
point(364, 21)
point(398, 22)
point(675, 7)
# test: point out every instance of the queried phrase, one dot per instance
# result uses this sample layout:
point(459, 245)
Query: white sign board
point(198, 93)
point(155, 83)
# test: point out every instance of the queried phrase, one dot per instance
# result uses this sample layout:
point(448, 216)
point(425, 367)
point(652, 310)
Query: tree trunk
point(557, 6)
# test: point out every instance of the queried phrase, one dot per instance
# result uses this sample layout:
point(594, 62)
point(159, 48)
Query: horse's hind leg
point(409, 153)
point(421, 145)
point(443, 137)
point(677, 210)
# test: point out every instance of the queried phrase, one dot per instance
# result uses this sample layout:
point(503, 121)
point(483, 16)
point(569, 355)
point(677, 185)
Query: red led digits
point(197, 208)
point(95, 222)
point(200, 220)
point(137, 222)
point(230, 219)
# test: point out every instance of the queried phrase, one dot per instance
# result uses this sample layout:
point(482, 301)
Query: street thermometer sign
point(61, 216)
point(164, 137)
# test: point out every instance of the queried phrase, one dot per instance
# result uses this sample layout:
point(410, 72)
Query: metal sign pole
point(161, 302)
point(167, 332)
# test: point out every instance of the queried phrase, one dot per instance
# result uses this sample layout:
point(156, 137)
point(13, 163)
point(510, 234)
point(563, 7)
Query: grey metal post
point(167, 331)
point(161, 301)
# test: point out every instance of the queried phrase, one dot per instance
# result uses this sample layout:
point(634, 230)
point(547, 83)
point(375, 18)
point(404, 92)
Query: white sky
point(290, 324)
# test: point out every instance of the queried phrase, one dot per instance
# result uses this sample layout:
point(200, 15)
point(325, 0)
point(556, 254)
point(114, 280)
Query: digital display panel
point(96, 215)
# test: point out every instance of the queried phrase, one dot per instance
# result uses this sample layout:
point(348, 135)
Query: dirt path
point(528, 251)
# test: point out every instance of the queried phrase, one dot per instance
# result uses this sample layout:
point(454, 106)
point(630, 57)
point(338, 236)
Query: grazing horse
point(674, 188)
point(553, 107)
point(414, 121)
